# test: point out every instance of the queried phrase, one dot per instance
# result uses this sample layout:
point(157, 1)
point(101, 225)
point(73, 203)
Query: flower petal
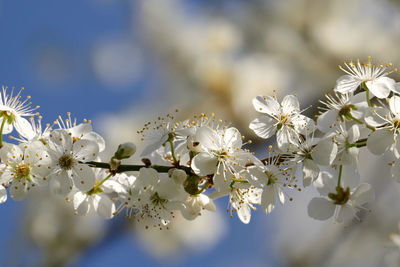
point(345, 213)
point(208, 138)
point(266, 104)
point(379, 141)
point(347, 84)
point(85, 150)
point(204, 164)
point(3, 194)
point(327, 119)
point(321, 208)
point(104, 206)
point(268, 199)
point(325, 152)
point(290, 105)
point(24, 128)
point(18, 190)
point(61, 183)
point(325, 183)
point(381, 87)
point(83, 177)
point(263, 126)
point(377, 116)
point(310, 172)
point(364, 193)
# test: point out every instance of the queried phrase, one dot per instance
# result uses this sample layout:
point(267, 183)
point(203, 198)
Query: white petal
point(379, 141)
point(148, 176)
point(256, 176)
point(24, 128)
point(209, 138)
point(154, 146)
point(381, 87)
point(394, 104)
point(263, 126)
point(61, 183)
point(310, 172)
point(232, 138)
point(7, 127)
point(268, 199)
point(104, 206)
point(284, 137)
point(350, 176)
point(95, 137)
point(204, 164)
point(325, 183)
point(85, 150)
point(376, 116)
point(364, 193)
point(290, 105)
point(327, 119)
point(61, 141)
point(281, 195)
point(221, 181)
point(353, 133)
point(345, 214)
point(18, 191)
point(80, 130)
point(84, 207)
point(244, 213)
point(78, 198)
point(325, 152)
point(83, 177)
point(321, 208)
point(3, 194)
point(266, 105)
point(347, 84)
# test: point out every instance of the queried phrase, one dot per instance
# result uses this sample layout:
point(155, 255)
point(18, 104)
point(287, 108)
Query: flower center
point(271, 177)
point(156, 199)
point(8, 116)
point(22, 171)
point(66, 162)
point(222, 154)
point(341, 197)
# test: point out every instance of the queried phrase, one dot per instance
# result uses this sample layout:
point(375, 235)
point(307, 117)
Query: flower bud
point(125, 150)
point(179, 176)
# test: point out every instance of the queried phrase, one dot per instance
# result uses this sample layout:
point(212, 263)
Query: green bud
point(125, 150)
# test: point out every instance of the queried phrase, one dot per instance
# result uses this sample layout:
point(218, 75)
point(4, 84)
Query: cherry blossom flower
point(387, 121)
point(339, 201)
point(374, 77)
point(283, 119)
point(13, 110)
point(339, 108)
point(24, 167)
point(223, 157)
point(68, 168)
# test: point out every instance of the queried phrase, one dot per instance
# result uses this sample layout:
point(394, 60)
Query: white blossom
point(374, 77)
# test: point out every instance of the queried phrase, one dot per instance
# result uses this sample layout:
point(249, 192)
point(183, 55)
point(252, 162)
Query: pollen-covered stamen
point(22, 171)
point(366, 71)
point(222, 154)
point(14, 104)
point(66, 162)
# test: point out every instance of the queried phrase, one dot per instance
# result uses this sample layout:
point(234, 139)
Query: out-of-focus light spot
point(51, 64)
point(117, 64)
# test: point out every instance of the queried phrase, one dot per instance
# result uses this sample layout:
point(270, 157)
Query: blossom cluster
point(187, 165)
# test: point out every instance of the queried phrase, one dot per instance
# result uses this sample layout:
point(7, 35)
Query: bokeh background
point(122, 63)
